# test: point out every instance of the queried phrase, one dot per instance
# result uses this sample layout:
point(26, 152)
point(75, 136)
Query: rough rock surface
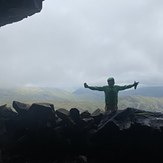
point(39, 133)
point(16, 10)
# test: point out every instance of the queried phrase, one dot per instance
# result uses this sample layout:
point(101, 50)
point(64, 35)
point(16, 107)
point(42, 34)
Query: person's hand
point(86, 85)
point(135, 84)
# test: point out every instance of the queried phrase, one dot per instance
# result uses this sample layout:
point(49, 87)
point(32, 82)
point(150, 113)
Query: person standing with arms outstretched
point(111, 93)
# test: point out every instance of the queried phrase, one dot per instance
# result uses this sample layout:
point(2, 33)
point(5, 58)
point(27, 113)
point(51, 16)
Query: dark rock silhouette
point(16, 10)
point(38, 133)
point(21, 108)
point(97, 116)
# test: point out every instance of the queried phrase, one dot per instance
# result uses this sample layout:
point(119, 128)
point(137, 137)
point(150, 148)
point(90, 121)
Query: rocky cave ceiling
point(15, 10)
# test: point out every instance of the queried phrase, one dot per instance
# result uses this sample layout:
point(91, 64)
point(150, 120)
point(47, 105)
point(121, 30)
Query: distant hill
point(141, 102)
point(42, 94)
point(149, 98)
point(80, 94)
point(143, 91)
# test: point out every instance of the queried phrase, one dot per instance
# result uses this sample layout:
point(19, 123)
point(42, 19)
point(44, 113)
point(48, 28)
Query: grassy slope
point(139, 102)
point(67, 100)
point(32, 93)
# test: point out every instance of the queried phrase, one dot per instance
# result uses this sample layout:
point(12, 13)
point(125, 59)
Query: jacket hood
point(111, 78)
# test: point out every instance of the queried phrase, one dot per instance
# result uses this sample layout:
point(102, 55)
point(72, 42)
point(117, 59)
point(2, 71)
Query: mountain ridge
point(88, 100)
point(152, 91)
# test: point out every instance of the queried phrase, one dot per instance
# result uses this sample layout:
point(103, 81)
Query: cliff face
point(16, 10)
point(39, 133)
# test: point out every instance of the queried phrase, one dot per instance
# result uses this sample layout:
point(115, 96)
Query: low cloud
point(71, 42)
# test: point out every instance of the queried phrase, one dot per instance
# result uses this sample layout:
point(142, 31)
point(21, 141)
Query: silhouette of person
point(111, 93)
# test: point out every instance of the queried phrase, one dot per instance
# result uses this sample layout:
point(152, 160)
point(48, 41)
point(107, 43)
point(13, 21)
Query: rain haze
point(75, 41)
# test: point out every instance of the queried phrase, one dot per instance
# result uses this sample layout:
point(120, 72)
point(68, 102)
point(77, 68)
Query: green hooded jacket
point(111, 92)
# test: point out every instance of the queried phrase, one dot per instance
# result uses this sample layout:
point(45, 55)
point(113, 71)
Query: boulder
point(20, 107)
point(42, 108)
point(66, 116)
point(89, 120)
point(40, 136)
point(74, 113)
point(130, 131)
point(62, 113)
point(42, 115)
point(6, 113)
point(118, 135)
point(97, 116)
point(85, 114)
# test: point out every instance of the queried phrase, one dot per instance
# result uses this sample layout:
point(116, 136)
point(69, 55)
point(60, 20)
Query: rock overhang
point(15, 10)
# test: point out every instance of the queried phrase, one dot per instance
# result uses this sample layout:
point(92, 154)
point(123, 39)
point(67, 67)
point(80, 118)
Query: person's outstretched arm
point(128, 86)
point(93, 88)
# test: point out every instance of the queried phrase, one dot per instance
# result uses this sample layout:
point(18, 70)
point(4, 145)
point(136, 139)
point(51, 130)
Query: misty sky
point(75, 41)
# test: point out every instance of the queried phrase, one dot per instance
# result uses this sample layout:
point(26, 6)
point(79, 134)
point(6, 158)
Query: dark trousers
point(111, 107)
